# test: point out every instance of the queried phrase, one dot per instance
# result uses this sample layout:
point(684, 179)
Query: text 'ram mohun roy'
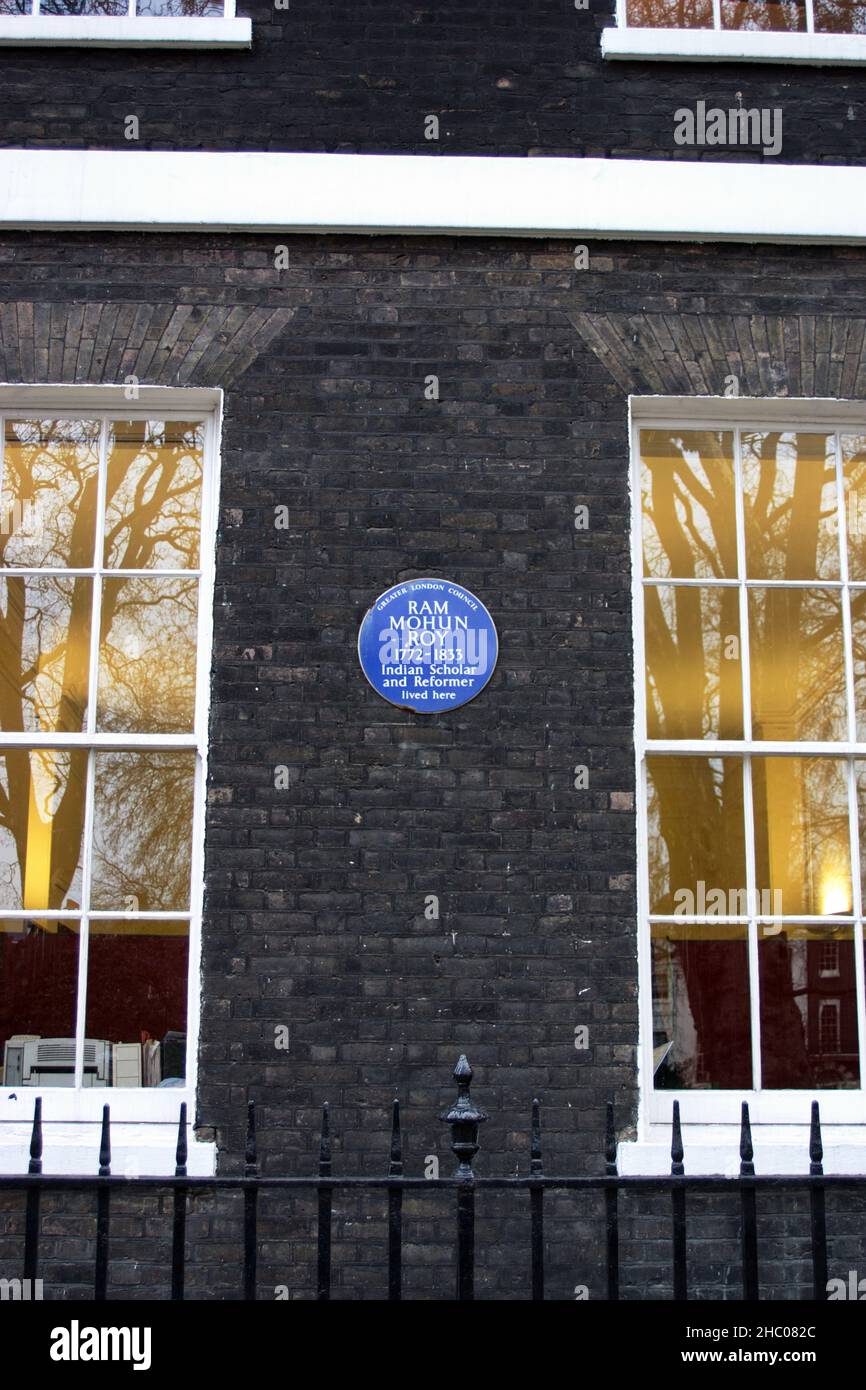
point(429, 635)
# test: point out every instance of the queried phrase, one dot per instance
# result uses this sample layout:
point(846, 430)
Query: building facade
point(559, 304)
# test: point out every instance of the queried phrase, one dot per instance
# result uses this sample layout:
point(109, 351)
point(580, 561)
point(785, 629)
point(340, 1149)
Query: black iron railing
point(464, 1118)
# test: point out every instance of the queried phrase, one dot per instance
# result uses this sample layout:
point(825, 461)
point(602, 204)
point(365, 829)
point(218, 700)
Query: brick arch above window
point(693, 353)
point(161, 344)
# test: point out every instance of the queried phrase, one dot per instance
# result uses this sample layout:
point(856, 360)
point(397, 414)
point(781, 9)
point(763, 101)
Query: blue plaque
point(428, 645)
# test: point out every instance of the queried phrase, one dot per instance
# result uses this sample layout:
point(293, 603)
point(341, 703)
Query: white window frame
point(731, 45)
point(37, 30)
point(713, 1117)
point(134, 1105)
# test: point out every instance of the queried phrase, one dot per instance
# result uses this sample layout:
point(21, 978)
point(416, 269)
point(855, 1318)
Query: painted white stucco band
point(684, 199)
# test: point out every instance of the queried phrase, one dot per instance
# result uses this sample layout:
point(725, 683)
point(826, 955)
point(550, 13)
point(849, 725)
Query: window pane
point(764, 14)
point(136, 998)
point(840, 17)
point(41, 827)
point(147, 655)
point(860, 777)
point(153, 494)
point(38, 977)
point(858, 642)
point(180, 7)
point(696, 836)
point(697, 1043)
point(802, 842)
point(687, 492)
point(48, 502)
point(142, 831)
point(16, 6)
point(693, 678)
point(809, 1034)
point(797, 664)
point(671, 14)
point(44, 653)
point(853, 448)
point(110, 7)
point(792, 526)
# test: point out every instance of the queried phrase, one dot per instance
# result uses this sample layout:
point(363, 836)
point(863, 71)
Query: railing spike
point(678, 1209)
point(395, 1210)
point(816, 1145)
point(610, 1143)
point(251, 1158)
point(100, 1275)
point(535, 1163)
point(747, 1153)
point(326, 1194)
point(462, 1071)
point(611, 1201)
point(677, 1150)
point(536, 1206)
point(178, 1236)
point(325, 1144)
point(35, 1165)
point(748, 1210)
point(817, 1209)
point(105, 1145)
point(395, 1168)
point(180, 1156)
point(251, 1170)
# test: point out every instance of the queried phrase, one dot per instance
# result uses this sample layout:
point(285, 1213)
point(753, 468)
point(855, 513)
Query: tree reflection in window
point(778, 16)
point(789, 590)
point(839, 17)
point(767, 16)
point(42, 795)
point(190, 9)
point(141, 831)
point(670, 14)
point(99, 606)
point(84, 7)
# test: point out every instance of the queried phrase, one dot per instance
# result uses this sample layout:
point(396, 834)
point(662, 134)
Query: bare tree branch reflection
point(696, 822)
point(147, 638)
point(141, 833)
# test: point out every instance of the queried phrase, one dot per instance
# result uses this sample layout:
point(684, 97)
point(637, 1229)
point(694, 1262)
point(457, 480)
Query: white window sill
point(714, 1150)
point(103, 31)
point(732, 46)
point(137, 1150)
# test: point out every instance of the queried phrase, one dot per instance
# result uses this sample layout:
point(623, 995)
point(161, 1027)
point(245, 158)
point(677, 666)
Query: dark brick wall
point(315, 893)
point(507, 78)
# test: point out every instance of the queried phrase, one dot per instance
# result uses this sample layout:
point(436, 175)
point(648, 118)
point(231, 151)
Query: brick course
point(507, 79)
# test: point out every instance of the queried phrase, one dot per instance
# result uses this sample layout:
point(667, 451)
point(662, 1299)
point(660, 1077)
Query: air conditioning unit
point(51, 1062)
point(13, 1058)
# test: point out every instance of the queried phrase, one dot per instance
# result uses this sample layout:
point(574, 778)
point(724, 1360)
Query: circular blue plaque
point(428, 645)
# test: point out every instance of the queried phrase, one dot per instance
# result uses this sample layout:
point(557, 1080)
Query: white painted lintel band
point(686, 199)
